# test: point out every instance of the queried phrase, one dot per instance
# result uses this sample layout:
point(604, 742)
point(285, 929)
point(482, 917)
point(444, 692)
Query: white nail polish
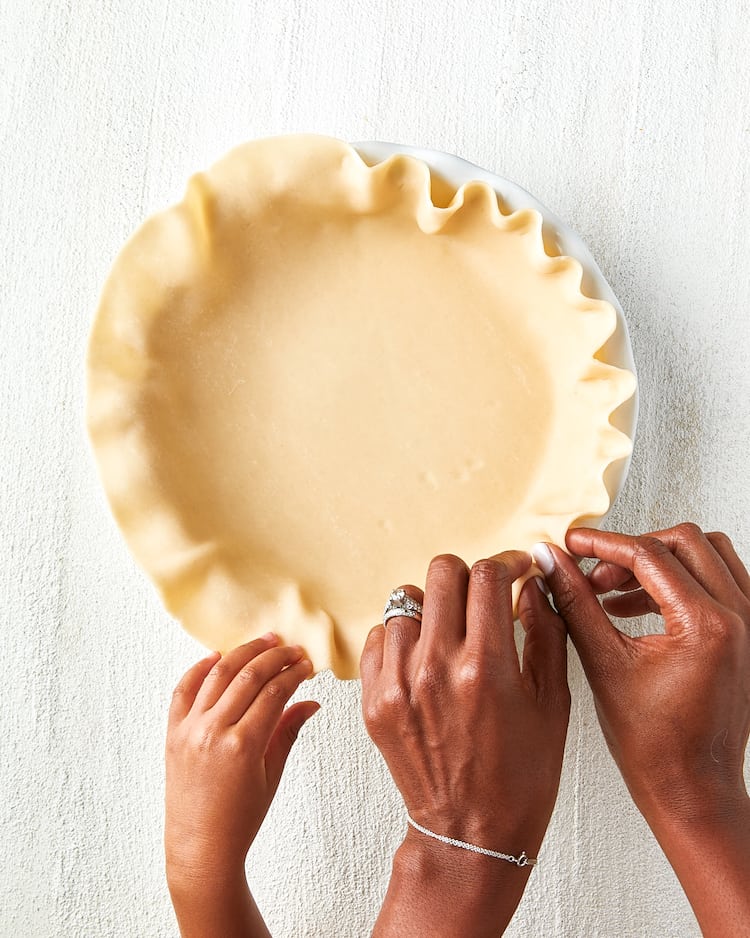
point(543, 558)
point(542, 585)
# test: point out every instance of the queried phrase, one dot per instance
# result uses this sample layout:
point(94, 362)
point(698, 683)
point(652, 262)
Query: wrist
point(214, 902)
point(499, 831)
point(443, 890)
point(424, 858)
point(693, 809)
point(709, 850)
point(203, 880)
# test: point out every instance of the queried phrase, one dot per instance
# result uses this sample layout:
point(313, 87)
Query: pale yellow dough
point(306, 380)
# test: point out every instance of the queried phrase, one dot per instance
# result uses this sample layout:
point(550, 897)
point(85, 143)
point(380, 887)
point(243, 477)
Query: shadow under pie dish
point(313, 374)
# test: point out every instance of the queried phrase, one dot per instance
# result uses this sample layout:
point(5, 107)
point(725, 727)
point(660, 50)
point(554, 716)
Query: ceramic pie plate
point(328, 364)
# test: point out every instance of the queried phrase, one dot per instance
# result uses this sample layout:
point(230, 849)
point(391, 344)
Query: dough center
point(355, 414)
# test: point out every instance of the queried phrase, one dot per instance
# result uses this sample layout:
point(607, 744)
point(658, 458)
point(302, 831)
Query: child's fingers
point(223, 672)
point(284, 736)
point(250, 680)
point(184, 694)
point(263, 715)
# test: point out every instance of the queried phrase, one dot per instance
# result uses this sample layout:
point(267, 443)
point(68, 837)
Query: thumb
point(284, 737)
point(599, 644)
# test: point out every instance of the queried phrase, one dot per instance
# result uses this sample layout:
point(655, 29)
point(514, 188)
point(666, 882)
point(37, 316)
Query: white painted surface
point(629, 119)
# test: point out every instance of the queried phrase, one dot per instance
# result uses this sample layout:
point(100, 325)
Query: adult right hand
point(674, 707)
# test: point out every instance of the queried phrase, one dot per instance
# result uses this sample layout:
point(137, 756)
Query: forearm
point(440, 890)
point(711, 858)
point(221, 908)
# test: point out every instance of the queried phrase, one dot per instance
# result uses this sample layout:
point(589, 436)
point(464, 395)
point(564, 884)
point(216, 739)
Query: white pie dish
point(559, 238)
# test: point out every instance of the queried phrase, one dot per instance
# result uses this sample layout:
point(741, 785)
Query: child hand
point(228, 739)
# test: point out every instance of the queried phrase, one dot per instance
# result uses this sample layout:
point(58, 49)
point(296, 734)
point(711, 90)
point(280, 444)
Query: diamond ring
point(401, 604)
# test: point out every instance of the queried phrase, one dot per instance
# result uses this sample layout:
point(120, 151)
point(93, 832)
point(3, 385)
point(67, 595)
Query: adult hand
point(674, 707)
point(474, 741)
point(228, 739)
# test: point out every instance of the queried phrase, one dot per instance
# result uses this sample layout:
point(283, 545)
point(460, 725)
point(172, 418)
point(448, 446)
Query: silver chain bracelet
point(521, 860)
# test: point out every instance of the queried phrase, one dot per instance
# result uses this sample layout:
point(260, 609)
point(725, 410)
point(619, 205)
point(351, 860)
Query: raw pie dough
point(307, 379)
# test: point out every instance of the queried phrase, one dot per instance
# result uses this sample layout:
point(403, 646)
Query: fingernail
point(541, 584)
point(269, 637)
point(306, 665)
point(544, 559)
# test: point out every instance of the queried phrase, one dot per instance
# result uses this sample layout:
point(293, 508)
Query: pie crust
point(306, 379)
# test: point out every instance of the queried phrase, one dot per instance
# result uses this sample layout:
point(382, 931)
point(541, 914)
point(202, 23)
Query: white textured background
point(629, 118)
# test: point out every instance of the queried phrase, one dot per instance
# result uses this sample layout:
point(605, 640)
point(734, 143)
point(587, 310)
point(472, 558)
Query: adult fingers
point(652, 562)
point(250, 679)
point(709, 558)
point(630, 605)
point(371, 660)
point(262, 716)
point(370, 669)
point(184, 694)
point(545, 656)
point(402, 632)
point(697, 554)
point(606, 577)
point(222, 673)
point(724, 547)
point(444, 615)
point(599, 644)
point(489, 604)
point(284, 737)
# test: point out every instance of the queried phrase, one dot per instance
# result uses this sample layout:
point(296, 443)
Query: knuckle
point(531, 616)
point(273, 690)
point(401, 631)
point(471, 673)
point(371, 713)
point(249, 674)
point(394, 700)
point(719, 538)
point(489, 571)
point(688, 531)
point(726, 624)
point(206, 738)
point(291, 731)
point(373, 646)
point(179, 690)
point(220, 671)
point(376, 720)
point(236, 743)
point(429, 680)
point(375, 634)
point(368, 668)
point(649, 549)
point(566, 597)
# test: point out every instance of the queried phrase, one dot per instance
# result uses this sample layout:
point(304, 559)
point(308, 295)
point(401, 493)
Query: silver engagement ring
point(401, 604)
